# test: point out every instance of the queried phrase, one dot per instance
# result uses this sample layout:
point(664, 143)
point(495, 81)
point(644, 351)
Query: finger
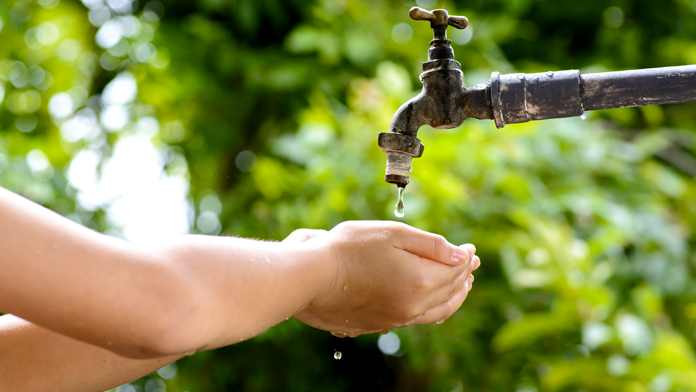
point(444, 293)
point(470, 248)
point(476, 262)
point(444, 275)
point(432, 246)
point(352, 333)
point(444, 310)
point(302, 235)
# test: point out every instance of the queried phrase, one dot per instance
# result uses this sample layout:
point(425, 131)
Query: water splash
point(399, 209)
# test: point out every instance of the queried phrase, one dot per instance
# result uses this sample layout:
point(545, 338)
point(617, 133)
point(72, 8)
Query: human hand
point(389, 275)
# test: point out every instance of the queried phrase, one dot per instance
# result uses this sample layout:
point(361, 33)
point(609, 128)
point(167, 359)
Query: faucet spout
point(444, 103)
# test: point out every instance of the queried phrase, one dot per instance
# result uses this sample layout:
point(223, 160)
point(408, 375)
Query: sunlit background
point(146, 119)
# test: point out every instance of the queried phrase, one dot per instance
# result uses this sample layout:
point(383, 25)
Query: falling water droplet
point(584, 115)
point(549, 74)
point(399, 209)
point(338, 355)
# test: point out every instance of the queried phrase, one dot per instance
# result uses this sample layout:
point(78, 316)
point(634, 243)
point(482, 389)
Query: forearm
point(146, 301)
point(64, 364)
point(243, 286)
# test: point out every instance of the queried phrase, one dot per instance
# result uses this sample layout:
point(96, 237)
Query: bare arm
point(201, 292)
point(36, 359)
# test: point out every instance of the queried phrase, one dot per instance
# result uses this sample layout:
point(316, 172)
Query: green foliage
point(585, 228)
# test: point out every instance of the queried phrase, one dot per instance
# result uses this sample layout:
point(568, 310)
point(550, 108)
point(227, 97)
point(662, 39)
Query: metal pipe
point(518, 98)
point(656, 86)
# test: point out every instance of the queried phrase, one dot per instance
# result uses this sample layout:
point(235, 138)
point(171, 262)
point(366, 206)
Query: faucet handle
point(438, 18)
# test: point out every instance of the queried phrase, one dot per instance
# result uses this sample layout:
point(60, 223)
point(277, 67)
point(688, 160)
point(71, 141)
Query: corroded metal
point(445, 101)
point(518, 98)
point(656, 86)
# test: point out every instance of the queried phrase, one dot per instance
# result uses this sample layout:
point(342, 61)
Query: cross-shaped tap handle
point(438, 18)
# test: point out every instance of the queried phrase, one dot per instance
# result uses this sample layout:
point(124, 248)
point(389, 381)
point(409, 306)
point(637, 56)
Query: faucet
point(445, 101)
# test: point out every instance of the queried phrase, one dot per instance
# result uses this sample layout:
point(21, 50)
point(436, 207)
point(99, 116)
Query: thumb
point(435, 247)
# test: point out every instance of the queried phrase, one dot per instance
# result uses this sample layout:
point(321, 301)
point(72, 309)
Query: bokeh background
point(253, 118)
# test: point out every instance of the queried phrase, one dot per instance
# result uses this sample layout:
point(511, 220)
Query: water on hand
point(399, 209)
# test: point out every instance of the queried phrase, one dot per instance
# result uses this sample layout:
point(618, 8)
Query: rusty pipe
point(518, 98)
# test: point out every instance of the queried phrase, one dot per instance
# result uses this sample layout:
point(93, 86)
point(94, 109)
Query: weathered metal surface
point(553, 95)
point(398, 168)
point(518, 98)
point(438, 18)
point(655, 86)
point(411, 145)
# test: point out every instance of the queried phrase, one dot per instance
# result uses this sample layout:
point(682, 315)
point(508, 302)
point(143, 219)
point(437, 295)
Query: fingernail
point(466, 284)
point(477, 262)
point(461, 254)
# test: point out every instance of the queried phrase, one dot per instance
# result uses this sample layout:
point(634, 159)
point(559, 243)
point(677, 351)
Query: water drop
point(338, 355)
point(439, 322)
point(549, 74)
point(399, 209)
point(520, 76)
point(345, 287)
point(346, 320)
point(584, 115)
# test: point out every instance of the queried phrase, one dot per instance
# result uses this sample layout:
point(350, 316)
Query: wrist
point(323, 269)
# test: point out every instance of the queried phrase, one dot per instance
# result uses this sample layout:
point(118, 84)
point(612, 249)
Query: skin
point(33, 358)
point(93, 301)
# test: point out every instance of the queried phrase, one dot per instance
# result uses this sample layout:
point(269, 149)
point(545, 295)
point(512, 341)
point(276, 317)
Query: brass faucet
point(445, 101)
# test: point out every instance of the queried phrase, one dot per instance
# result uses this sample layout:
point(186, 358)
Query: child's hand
point(389, 275)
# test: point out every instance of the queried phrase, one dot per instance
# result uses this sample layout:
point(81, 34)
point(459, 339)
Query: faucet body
point(445, 101)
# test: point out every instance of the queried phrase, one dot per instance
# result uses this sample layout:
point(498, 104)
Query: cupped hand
point(389, 275)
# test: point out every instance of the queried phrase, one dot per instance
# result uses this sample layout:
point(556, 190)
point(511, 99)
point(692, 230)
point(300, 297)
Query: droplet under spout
point(399, 208)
